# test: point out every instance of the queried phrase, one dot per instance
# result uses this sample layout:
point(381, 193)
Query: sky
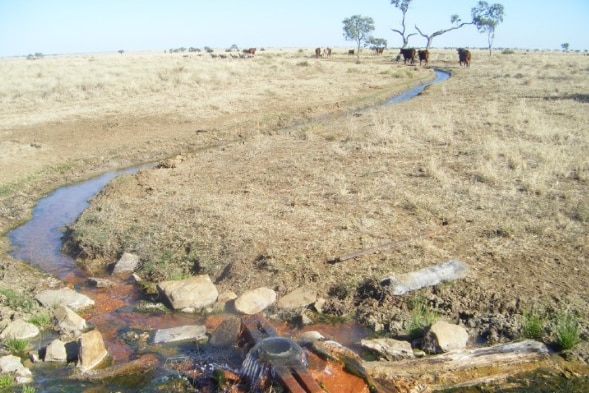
point(93, 26)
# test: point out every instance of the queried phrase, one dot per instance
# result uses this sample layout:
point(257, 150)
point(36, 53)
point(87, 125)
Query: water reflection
point(409, 94)
point(39, 240)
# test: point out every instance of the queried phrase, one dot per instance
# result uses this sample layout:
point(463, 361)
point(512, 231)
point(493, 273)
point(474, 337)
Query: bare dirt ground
point(259, 188)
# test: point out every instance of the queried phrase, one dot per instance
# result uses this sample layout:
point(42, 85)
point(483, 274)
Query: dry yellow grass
point(494, 160)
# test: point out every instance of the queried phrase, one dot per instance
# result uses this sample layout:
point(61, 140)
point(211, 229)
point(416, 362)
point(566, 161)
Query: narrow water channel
point(39, 242)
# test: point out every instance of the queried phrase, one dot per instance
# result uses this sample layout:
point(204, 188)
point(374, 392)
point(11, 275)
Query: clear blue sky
point(82, 26)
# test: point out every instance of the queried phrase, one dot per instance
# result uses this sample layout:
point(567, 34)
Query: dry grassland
point(490, 167)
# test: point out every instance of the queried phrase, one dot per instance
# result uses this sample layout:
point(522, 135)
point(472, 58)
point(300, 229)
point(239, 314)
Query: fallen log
point(467, 367)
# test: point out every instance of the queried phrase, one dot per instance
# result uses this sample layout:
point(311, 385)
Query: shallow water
point(409, 94)
point(38, 241)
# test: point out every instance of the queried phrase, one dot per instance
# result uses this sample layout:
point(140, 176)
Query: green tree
point(454, 19)
point(486, 17)
point(565, 46)
point(358, 28)
point(376, 42)
point(403, 5)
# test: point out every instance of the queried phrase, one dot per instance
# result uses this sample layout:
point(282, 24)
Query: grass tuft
point(533, 325)
point(568, 330)
point(17, 346)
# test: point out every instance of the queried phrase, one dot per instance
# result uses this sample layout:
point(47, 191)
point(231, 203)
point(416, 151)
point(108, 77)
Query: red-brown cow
point(379, 51)
point(317, 52)
point(464, 57)
point(423, 56)
point(250, 52)
point(327, 52)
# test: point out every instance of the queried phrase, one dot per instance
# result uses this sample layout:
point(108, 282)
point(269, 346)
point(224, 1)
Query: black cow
point(317, 52)
point(464, 57)
point(423, 56)
point(408, 54)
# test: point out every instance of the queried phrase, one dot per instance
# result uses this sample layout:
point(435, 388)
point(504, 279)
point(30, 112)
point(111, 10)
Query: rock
point(226, 297)
point(126, 264)
point(444, 337)
point(433, 275)
point(20, 330)
point(99, 282)
point(318, 305)
point(190, 294)
point(140, 366)
point(311, 336)
point(389, 349)
point(299, 298)
point(68, 321)
point(254, 301)
point(227, 333)
point(11, 364)
point(91, 350)
point(180, 333)
point(64, 297)
point(56, 352)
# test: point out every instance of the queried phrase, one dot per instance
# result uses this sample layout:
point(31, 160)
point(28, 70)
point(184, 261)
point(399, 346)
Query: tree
point(376, 42)
point(486, 17)
point(565, 46)
point(357, 28)
point(121, 51)
point(403, 5)
point(455, 20)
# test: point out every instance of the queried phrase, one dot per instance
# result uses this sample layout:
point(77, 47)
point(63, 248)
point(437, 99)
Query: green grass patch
point(6, 381)
point(17, 346)
point(16, 301)
point(568, 330)
point(533, 325)
point(42, 320)
point(422, 316)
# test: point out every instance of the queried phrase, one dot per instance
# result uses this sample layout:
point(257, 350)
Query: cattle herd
point(325, 52)
point(409, 55)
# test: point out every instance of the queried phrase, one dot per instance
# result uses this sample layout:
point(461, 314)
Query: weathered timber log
point(466, 367)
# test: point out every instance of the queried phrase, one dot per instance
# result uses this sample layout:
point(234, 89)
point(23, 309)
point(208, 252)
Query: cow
point(408, 54)
point(378, 50)
point(317, 52)
point(327, 52)
point(351, 52)
point(464, 57)
point(250, 52)
point(423, 56)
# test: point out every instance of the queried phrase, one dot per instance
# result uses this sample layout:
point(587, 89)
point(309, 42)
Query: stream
point(39, 242)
